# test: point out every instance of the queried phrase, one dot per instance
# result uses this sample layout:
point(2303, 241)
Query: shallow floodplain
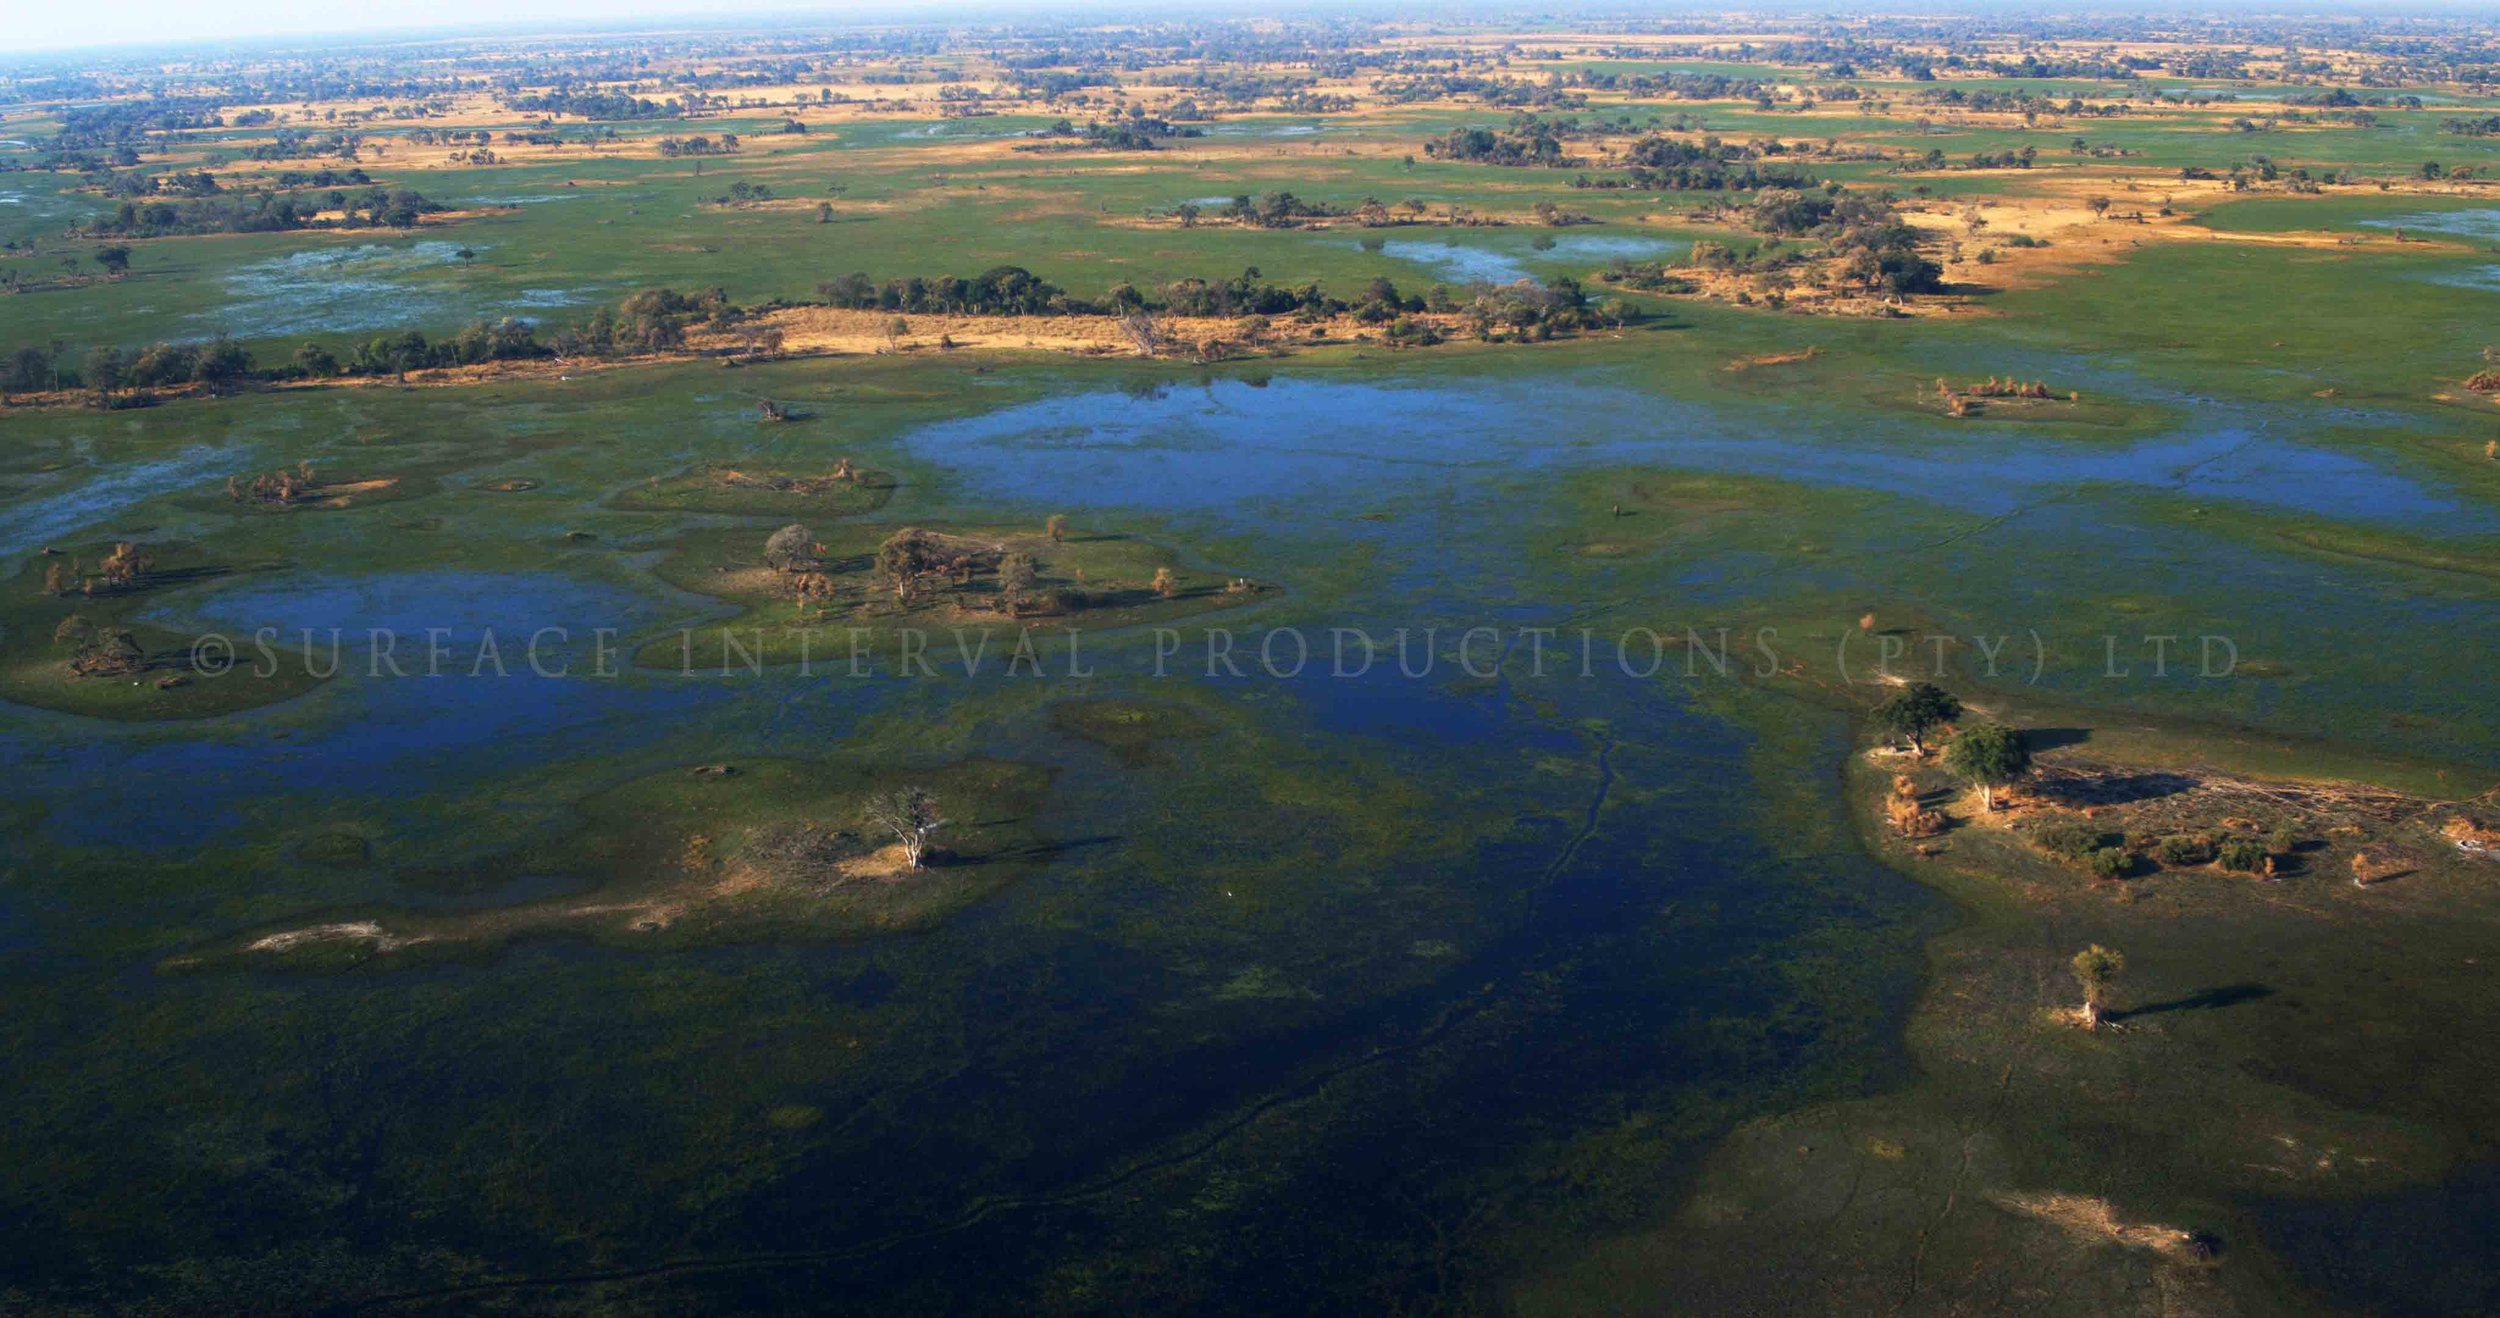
point(1532, 951)
point(1205, 1007)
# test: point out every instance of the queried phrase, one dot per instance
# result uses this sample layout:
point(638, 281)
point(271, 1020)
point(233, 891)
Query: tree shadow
point(2049, 739)
point(2117, 789)
point(2212, 999)
point(1037, 851)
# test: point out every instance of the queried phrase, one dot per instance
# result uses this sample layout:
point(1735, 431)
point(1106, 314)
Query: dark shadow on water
point(2212, 999)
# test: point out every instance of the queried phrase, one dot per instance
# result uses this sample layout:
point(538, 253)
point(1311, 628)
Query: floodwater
point(369, 286)
point(1226, 1024)
point(1511, 257)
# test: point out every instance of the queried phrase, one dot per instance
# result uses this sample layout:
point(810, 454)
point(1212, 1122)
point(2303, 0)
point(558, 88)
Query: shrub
point(2071, 838)
point(2110, 862)
point(2186, 849)
point(2243, 856)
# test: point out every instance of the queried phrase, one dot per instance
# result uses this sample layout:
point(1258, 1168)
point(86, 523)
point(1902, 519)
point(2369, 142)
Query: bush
point(2186, 849)
point(2243, 856)
point(2110, 862)
point(2070, 838)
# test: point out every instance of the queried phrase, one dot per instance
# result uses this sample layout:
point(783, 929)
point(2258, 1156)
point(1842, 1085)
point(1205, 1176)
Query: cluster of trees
point(1135, 131)
point(1529, 142)
point(699, 145)
point(2487, 126)
point(289, 144)
point(1646, 276)
point(140, 183)
point(264, 212)
point(508, 339)
point(1005, 290)
point(1549, 94)
point(1674, 86)
point(216, 363)
point(323, 178)
point(1274, 210)
point(590, 104)
point(1710, 165)
point(654, 320)
point(1877, 249)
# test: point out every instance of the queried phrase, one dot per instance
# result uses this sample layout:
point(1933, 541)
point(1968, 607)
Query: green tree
point(315, 361)
point(2097, 969)
point(1989, 754)
point(104, 369)
point(115, 259)
point(1919, 709)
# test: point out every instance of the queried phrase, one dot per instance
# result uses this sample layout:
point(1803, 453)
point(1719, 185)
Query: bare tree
point(1146, 332)
point(911, 814)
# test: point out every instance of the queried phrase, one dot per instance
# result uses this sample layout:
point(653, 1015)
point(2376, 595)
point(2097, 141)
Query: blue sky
point(40, 25)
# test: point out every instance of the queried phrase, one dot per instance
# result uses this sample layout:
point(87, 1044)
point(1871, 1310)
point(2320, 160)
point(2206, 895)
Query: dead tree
point(911, 814)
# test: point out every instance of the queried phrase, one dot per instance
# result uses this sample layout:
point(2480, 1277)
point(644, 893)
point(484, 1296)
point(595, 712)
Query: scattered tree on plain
point(1989, 754)
point(2097, 969)
point(911, 814)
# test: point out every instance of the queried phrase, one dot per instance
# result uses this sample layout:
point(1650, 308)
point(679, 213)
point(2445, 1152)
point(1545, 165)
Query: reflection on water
point(1509, 259)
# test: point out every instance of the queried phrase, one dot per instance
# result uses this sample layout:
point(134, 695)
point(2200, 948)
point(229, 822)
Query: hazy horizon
point(149, 24)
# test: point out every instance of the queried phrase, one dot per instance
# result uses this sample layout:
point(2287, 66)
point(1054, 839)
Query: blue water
point(1328, 447)
point(369, 735)
point(1510, 258)
point(36, 522)
point(368, 286)
point(2481, 222)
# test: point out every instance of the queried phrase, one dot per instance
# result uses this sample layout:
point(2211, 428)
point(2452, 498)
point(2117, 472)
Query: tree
point(2097, 968)
point(895, 329)
point(1166, 584)
point(125, 565)
point(104, 369)
point(115, 259)
point(2099, 205)
point(911, 814)
point(789, 549)
point(1188, 213)
point(1016, 575)
point(1145, 332)
point(1056, 527)
point(315, 361)
point(904, 557)
point(1921, 708)
point(467, 257)
point(1989, 754)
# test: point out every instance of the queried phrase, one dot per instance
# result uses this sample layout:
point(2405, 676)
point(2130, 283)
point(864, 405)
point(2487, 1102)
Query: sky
point(39, 25)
